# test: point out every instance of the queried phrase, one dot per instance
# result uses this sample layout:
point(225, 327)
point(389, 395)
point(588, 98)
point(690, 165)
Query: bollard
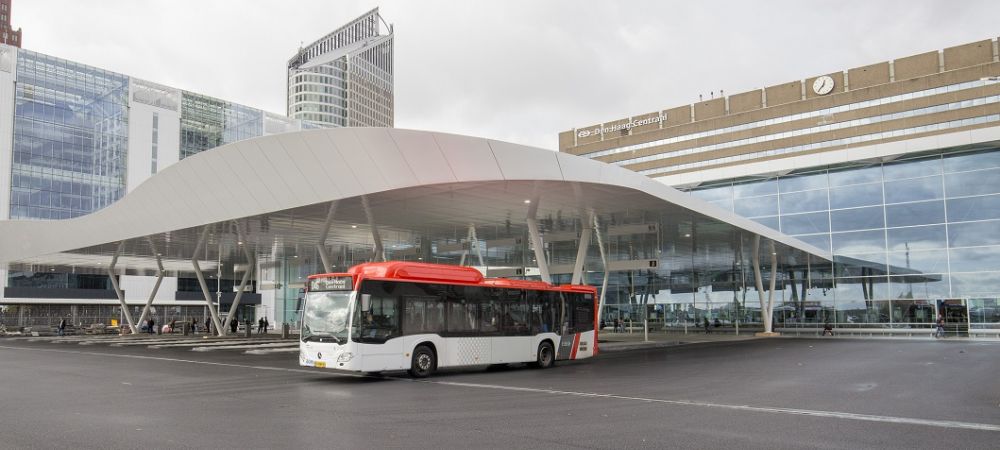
point(284, 330)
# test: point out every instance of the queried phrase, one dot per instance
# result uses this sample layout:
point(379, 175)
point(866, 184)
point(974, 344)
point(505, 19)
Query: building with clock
point(895, 164)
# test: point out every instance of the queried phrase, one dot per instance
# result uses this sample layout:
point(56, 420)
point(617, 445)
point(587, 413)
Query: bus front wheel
point(423, 363)
point(546, 356)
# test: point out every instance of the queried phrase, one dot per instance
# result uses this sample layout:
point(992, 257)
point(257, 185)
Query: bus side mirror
point(366, 302)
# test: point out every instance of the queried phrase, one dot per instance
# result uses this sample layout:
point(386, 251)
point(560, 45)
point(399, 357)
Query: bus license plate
point(320, 364)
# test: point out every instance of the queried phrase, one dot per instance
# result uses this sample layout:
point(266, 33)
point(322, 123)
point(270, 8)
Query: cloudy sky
point(515, 70)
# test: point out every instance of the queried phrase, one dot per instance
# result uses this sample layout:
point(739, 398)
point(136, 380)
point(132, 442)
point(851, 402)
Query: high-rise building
point(76, 138)
point(894, 164)
point(345, 78)
point(7, 34)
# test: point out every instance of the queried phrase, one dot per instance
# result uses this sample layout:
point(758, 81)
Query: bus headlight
point(345, 357)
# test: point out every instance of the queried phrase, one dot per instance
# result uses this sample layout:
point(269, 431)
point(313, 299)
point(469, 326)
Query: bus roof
point(444, 273)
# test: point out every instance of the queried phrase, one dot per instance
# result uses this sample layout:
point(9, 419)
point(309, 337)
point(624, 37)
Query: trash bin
point(284, 330)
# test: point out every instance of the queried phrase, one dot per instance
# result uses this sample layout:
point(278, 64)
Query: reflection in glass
point(973, 208)
point(757, 206)
point(856, 176)
point(920, 213)
point(70, 138)
point(859, 242)
point(857, 219)
point(971, 161)
point(912, 168)
point(857, 195)
point(756, 188)
point(805, 223)
point(802, 182)
point(926, 261)
point(981, 182)
point(975, 284)
point(975, 259)
point(916, 238)
point(805, 201)
point(971, 234)
point(912, 190)
point(984, 312)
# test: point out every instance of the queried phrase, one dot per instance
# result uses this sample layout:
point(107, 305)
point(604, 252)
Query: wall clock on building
point(823, 85)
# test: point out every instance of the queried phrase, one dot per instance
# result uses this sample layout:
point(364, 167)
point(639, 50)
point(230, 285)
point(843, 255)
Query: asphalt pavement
point(746, 393)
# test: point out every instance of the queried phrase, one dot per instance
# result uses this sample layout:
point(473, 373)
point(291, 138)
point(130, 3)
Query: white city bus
point(420, 317)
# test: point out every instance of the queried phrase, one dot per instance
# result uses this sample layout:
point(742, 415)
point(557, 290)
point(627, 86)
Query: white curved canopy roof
point(417, 183)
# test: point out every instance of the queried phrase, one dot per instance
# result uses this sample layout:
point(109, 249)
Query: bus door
point(567, 335)
point(377, 332)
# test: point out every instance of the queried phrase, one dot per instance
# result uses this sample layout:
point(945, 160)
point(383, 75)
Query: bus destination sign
point(338, 283)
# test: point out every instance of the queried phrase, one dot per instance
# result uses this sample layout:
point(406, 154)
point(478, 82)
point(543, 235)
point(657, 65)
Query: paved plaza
point(747, 393)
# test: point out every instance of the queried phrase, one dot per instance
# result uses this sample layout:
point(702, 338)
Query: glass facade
point(70, 138)
point(912, 235)
point(208, 122)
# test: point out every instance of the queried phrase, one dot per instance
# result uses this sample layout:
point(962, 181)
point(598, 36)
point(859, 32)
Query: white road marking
point(764, 409)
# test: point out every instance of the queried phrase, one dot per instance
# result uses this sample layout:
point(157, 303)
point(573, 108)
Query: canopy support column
point(118, 289)
point(243, 282)
point(536, 241)
point(204, 286)
point(159, 279)
point(321, 245)
point(581, 251)
point(766, 306)
point(379, 251)
point(471, 239)
point(604, 261)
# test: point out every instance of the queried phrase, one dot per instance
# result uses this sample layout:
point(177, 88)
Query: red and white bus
point(420, 317)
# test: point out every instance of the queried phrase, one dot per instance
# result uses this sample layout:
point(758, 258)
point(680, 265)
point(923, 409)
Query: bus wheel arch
point(424, 360)
point(546, 356)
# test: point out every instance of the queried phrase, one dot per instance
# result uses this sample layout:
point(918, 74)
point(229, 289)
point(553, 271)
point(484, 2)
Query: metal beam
point(536, 241)
point(581, 251)
point(243, 282)
point(159, 279)
point(379, 251)
point(204, 286)
point(604, 260)
point(321, 245)
point(118, 289)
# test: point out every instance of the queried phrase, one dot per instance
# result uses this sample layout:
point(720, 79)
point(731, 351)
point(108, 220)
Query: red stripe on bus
point(576, 345)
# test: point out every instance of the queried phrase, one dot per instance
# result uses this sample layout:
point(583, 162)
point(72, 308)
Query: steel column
point(536, 241)
point(159, 279)
point(204, 286)
point(379, 251)
point(118, 290)
point(321, 245)
point(604, 260)
point(581, 251)
point(243, 282)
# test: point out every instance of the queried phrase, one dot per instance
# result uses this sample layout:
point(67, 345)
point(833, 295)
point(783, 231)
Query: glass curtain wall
point(905, 233)
point(70, 138)
point(208, 122)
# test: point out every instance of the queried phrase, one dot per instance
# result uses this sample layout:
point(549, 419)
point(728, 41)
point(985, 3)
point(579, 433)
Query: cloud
point(516, 70)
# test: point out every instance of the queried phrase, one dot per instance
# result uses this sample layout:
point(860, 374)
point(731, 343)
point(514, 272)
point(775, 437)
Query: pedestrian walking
point(208, 325)
point(705, 324)
point(827, 328)
point(194, 326)
point(265, 324)
point(939, 333)
point(62, 327)
point(149, 325)
point(233, 325)
point(260, 325)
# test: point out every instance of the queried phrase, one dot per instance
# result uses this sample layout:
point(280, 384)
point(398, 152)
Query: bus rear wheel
point(546, 356)
point(423, 363)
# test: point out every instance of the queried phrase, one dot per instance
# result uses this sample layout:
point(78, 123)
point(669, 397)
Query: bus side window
point(534, 302)
point(583, 312)
point(514, 318)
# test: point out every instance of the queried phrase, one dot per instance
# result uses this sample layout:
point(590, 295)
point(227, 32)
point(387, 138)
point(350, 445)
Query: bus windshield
point(325, 316)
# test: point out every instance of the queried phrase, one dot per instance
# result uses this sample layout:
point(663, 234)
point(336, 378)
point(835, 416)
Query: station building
point(893, 167)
